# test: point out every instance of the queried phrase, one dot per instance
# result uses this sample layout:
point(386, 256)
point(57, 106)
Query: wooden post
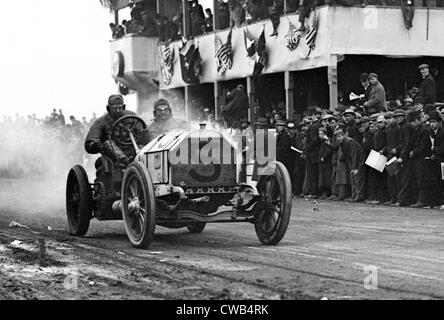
point(333, 81)
point(186, 19)
point(289, 93)
point(159, 6)
point(251, 92)
point(116, 18)
point(216, 20)
point(217, 100)
point(187, 103)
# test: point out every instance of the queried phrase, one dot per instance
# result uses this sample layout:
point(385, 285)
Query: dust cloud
point(35, 158)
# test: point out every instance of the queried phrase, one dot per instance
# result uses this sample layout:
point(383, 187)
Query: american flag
point(292, 37)
point(166, 55)
point(224, 54)
point(312, 32)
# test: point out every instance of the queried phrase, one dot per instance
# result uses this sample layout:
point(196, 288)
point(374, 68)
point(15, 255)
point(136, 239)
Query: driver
point(163, 118)
point(99, 140)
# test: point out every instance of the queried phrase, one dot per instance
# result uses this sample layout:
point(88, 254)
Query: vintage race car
point(168, 184)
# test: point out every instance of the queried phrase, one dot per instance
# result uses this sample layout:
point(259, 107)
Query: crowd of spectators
point(41, 148)
point(231, 13)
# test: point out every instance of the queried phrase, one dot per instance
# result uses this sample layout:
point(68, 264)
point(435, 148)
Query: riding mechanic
point(163, 119)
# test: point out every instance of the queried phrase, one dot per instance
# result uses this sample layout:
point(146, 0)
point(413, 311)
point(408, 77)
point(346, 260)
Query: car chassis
point(151, 191)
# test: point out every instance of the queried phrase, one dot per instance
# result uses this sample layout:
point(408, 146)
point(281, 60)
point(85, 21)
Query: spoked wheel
point(138, 205)
point(271, 223)
point(196, 227)
point(78, 201)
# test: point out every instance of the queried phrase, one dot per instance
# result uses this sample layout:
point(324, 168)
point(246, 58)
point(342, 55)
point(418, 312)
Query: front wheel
point(272, 221)
point(78, 202)
point(138, 205)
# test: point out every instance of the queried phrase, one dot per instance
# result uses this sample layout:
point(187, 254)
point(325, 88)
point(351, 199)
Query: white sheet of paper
point(376, 161)
point(297, 150)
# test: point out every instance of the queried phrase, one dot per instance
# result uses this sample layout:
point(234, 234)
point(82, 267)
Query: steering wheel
point(123, 126)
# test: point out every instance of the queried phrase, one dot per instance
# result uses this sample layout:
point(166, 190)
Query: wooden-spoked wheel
point(78, 201)
point(272, 221)
point(138, 205)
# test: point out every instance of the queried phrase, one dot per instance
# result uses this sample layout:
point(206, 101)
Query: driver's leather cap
point(116, 100)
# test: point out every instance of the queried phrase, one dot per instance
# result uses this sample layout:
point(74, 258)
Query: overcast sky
point(55, 54)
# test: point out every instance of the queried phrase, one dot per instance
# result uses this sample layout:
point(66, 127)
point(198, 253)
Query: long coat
point(425, 167)
point(312, 142)
point(325, 166)
point(376, 100)
point(393, 139)
point(283, 150)
point(237, 109)
point(427, 90)
point(352, 152)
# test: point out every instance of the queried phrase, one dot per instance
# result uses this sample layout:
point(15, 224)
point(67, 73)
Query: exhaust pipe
point(205, 199)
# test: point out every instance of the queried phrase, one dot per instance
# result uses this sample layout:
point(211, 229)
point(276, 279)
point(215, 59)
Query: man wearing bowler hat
point(427, 89)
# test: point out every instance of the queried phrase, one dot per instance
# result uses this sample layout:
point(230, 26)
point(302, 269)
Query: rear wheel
point(196, 227)
point(78, 201)
point(271, 223)
point(138, 205)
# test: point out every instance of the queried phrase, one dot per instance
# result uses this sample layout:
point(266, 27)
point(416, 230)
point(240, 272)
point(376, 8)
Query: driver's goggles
point(163, 109)
point(118, 107)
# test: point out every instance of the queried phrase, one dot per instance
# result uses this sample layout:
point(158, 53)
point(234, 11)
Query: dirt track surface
point(329, 251)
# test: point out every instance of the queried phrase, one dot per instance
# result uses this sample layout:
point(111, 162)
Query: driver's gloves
point(95, 146)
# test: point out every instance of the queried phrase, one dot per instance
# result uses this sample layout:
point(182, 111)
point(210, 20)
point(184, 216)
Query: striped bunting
point(224, 54)
point(166, 60)
point(312, 33)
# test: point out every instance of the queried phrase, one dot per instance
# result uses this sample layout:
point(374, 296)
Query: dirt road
point(331, 250)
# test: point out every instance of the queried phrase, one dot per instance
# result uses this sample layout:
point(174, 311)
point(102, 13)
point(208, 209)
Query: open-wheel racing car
point(155, 190)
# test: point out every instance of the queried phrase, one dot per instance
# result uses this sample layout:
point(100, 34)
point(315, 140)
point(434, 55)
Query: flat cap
point(422, 66)
point(399, 112)
point(338, 132)
point(115, 100)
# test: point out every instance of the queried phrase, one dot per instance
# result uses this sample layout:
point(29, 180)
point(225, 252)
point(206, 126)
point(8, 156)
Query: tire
point(140, 223)
point(276, 190)
point(78, 202)
point(196, 227)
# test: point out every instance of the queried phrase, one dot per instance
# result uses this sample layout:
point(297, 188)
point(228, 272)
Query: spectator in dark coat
point(378, 181)
point(237, 107)
point(407, 192)
point(421, 155)
point(325, 166)
point(237, 13)
point(437, 141)
point(283, 145)
point(297, 142)
point(392, 150)
point(352, 127)
point(311, 153)
point(376, 101)
point(428, 86)
point(197, 18)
